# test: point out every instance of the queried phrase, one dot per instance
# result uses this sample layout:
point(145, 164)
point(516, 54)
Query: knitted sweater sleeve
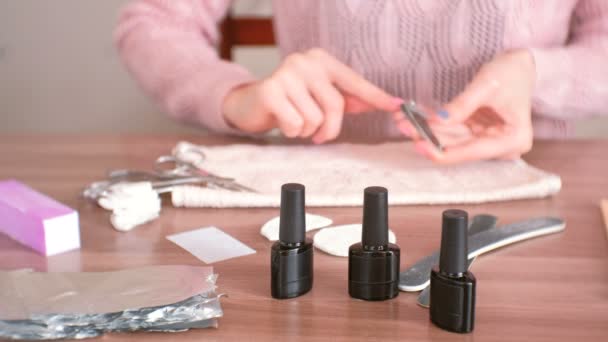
point(170, 48)
point(572, 80)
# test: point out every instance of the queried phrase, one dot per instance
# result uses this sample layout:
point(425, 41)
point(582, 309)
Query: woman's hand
point(306, 96)
point(490, 119)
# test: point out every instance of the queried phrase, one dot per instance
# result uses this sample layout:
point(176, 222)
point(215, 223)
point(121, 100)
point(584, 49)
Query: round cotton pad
point(270, 229)
point(336, 240)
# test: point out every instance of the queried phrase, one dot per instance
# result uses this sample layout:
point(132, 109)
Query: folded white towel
point(335, 175)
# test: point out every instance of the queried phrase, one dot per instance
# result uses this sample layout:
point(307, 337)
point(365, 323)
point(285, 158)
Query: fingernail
point(420, 149)
point(397, 101)
point(443, 114)
point(405, 130)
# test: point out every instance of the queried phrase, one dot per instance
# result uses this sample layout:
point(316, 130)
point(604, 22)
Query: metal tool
point(417, 277)
point(418, 119)
point(183, 170)
point(169, 171)
point(187, 160)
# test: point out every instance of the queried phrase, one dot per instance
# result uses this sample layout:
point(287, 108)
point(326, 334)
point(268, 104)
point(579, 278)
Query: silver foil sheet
point(70, 306)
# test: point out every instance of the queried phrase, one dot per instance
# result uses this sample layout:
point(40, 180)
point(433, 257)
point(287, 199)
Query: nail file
point(416, 278)
point(481, 223)
point(424, 299)
point(36, 220)
point(418, 120)
point(419, 273)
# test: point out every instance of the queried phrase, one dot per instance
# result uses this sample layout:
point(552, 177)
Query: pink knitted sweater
point(415, 49)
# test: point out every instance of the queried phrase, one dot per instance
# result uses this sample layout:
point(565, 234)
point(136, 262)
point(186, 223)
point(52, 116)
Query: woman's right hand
point(307, 96)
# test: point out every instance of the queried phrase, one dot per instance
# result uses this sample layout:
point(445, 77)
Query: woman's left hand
point(490, 119)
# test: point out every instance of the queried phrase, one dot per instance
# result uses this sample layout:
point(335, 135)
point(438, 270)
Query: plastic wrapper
point(41, 306)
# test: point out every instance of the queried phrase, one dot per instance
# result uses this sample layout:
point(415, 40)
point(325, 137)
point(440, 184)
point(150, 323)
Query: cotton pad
point(270, 229)
point(128, 219)
point(131, 204)
point(336, 240)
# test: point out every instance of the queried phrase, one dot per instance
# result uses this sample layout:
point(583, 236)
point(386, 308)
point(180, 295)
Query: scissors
point(187, 164)
point(418, 119)
point(183, 167)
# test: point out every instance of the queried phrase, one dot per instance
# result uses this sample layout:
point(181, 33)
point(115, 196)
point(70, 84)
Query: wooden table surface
point(548, 289)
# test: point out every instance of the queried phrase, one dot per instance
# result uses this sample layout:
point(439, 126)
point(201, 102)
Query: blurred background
point(60, 73)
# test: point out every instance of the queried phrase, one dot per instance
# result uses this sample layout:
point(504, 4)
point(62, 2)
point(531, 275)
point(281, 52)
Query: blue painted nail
point(443, 113)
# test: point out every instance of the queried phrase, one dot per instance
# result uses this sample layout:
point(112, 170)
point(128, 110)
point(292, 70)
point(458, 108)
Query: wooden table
point(549, 289)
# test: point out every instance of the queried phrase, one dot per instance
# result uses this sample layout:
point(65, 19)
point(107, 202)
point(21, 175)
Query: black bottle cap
point(375, 217)
point(292, 226)
point(454, 247)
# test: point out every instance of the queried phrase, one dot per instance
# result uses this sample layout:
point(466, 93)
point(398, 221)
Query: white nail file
point(417, 277)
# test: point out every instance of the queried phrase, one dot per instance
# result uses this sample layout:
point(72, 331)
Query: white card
point(210, 244)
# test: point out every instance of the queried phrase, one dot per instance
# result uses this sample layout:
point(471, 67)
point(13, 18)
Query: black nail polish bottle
point(291, 257)
point(373, 264)
point(452, 285)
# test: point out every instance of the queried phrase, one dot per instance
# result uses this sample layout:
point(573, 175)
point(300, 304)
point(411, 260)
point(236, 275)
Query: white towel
point(336, 174)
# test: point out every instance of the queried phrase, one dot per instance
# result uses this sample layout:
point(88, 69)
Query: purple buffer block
point(36, 220)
